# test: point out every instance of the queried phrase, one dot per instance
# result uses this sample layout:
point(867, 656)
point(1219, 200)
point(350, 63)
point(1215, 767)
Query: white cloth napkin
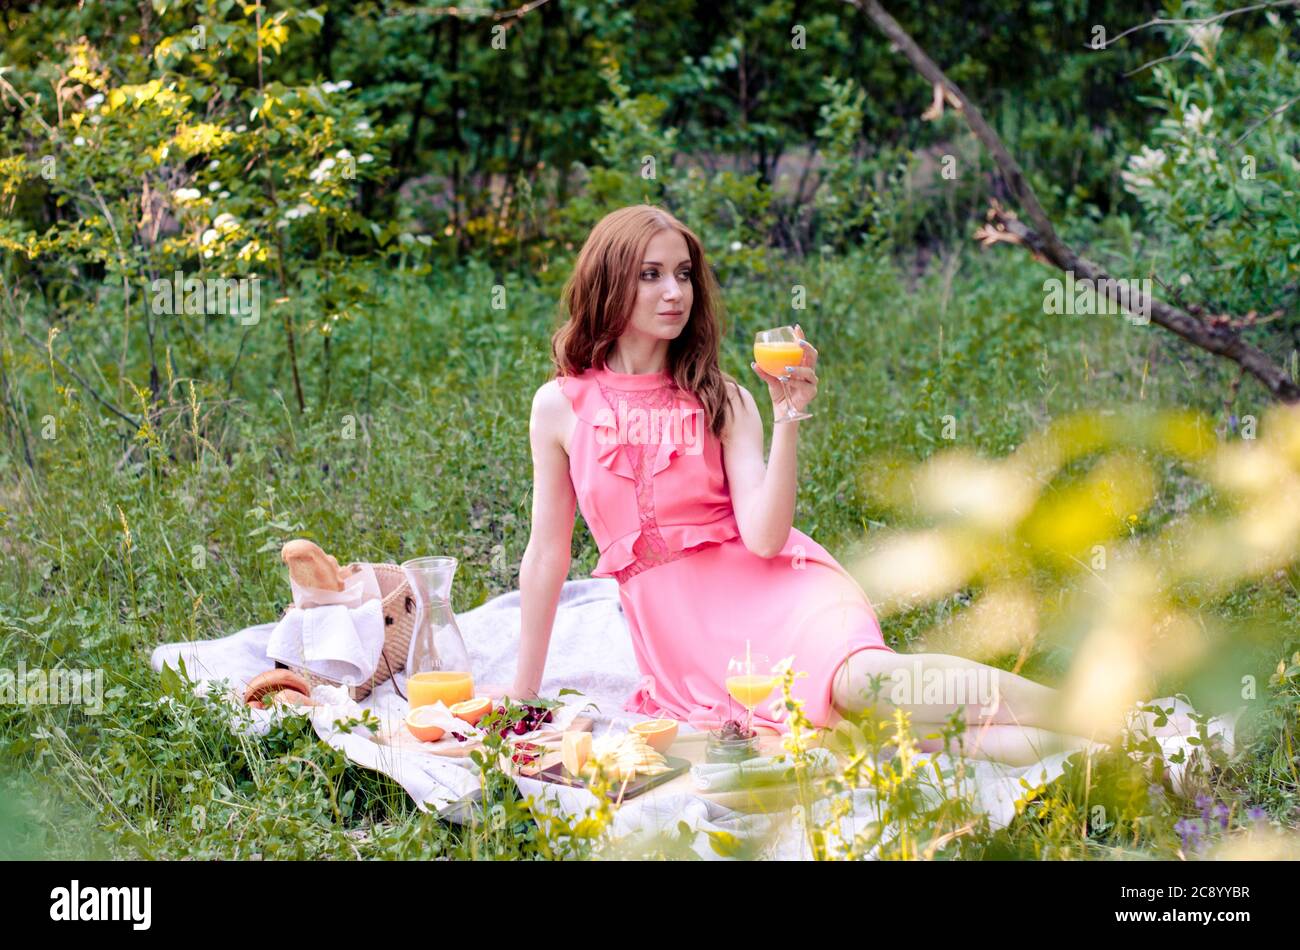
point(335, 634)
point(760, 770)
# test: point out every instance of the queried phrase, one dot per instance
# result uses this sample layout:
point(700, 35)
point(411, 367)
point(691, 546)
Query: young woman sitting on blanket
point(662, 452)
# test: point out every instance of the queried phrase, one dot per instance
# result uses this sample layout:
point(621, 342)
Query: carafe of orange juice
point(437, 646)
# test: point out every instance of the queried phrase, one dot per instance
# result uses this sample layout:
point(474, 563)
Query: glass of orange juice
point(774, 350)
point(750, 681)
point(426, 688)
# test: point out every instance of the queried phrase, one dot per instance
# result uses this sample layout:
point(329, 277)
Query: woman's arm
point(545, 564)
point(763, 496)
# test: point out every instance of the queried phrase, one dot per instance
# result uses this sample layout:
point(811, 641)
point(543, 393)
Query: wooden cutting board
point(691, 747)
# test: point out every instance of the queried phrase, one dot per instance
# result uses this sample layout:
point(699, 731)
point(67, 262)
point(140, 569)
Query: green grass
point(111, 546)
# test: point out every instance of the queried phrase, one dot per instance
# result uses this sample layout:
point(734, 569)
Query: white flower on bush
point(214, 185)
point(184, 195)
point(299, 211)
point(1206, 37)
point(78, 141)
point(225, 222)
point(321, 171)
point(341, 86)
point(1196, 118)
point(342, 155)
point(241, 128)
point(214, 165)
point(1141, 167)
point(94, 101)
point(223, 194)
point(250, 249)
point(365, 158)
point(736, 245)
point(362, 126)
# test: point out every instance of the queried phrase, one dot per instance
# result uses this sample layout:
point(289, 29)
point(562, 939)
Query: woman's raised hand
point(800, 380)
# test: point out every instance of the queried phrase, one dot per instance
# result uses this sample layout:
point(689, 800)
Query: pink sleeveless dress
point(650, 483)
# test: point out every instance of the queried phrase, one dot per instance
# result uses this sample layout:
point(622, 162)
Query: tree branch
point(1041, 239)
point(1219, 339)
point(78, 377)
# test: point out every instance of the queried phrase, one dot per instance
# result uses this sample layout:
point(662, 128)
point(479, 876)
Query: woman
point(663, 454)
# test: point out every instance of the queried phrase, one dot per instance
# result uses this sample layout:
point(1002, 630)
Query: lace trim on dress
point(651, 406)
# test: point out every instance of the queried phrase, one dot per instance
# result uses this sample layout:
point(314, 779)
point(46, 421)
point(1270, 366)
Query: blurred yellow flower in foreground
point(1046, 533)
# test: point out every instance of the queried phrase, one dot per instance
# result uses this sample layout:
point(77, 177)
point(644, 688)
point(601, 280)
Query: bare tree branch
point(1010, 169)
point(1189, 21)
point(1219, 338)
point(1254, 125)
point(1042, 241)
point(1197, 21)
point(34, 341)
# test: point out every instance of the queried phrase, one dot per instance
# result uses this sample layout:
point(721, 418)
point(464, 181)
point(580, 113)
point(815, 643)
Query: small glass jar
point(719, 749)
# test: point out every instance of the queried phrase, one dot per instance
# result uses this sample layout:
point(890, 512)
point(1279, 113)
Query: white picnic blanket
point(590, 651)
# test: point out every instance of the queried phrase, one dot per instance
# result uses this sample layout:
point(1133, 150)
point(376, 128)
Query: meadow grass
point(115, 542)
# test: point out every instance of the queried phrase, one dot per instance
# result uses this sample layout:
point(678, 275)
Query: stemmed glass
point(750, 681)
point(774, 350)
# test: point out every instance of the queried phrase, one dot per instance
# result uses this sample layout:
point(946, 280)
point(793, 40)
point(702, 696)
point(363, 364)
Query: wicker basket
point(399, 624)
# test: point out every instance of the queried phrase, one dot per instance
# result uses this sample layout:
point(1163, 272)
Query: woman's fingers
point(805, 373)
point(809, 353)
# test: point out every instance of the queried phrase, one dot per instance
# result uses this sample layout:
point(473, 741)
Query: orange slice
point(472, 710)
point(658, 733)
point(420, 721)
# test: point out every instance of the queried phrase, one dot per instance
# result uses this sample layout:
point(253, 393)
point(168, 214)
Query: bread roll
point(273, 681)
point(309, 566)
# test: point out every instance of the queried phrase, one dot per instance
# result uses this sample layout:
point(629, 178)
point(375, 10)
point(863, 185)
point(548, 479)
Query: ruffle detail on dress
point(591, 407)
point(617, 556)
point(679, 537)
point(683, 536)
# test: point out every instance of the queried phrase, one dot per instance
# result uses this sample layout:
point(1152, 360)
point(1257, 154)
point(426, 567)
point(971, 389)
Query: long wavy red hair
point(599, 295)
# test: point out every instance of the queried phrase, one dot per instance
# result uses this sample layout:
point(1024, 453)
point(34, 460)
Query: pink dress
point(650, 483)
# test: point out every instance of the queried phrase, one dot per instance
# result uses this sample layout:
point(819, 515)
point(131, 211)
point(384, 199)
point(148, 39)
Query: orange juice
point(773, 358)
point(425, 689)
point(750, 690)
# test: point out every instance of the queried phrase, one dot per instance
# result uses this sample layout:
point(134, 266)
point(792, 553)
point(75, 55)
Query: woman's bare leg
point(1012, 745)
point(930, 687)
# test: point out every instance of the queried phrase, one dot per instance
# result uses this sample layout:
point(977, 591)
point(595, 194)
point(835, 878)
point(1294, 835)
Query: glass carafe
point(436, 643)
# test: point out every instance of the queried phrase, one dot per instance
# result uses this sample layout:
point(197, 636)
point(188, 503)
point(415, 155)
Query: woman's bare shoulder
point(738, 395)
point(551, 407)
point(741, 402)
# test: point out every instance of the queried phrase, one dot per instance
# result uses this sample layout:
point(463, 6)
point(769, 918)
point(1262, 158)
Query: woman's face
point(664, 289)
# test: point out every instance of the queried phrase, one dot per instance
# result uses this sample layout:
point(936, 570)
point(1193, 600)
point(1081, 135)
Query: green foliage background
point(153, 464)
